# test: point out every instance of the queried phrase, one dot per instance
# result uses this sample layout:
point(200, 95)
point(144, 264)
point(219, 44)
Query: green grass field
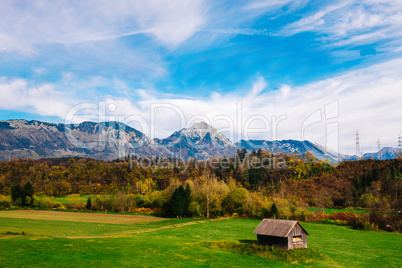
point(179, 242)
point(65, 200)
point(336, 210)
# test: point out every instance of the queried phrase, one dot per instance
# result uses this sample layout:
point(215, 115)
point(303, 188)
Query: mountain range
point(112, 140)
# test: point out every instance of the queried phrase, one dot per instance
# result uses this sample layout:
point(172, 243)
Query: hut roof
point(280, 228)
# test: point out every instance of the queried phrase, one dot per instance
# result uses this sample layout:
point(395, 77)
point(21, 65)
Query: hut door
point(297, 241)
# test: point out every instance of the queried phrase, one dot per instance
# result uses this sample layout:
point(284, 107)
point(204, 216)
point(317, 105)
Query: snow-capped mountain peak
point(201, 140)
point(201, 125)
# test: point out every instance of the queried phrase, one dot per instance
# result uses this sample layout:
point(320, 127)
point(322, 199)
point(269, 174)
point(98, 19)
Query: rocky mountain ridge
point(112, 140)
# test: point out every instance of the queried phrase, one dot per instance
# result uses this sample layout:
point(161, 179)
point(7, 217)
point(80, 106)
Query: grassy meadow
point(336, 210)
point(66, 200)
point(179, 242)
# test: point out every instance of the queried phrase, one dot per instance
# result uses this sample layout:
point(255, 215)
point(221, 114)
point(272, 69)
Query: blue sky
point(288, 58)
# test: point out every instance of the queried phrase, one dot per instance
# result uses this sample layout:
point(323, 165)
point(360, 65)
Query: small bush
point(148, 211)
point(303, 215)
point(305, 255)
point(342, 216)
point(195, 209)
point(263, 213)
point(361, 224)
point(5, 204)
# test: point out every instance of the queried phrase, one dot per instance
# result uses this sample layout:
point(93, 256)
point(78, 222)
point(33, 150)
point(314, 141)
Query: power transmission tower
point(358, 152)
point(379, 149)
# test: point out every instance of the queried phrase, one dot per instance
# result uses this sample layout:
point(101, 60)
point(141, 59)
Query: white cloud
point(41, 99)
point(275, 4)
point(25, 24)
point(8, 43)
point(311, 22)
point(258, 86)
point(353, 22)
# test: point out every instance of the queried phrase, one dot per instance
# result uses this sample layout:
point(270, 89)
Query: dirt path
point(78, 216)
point(147, 231)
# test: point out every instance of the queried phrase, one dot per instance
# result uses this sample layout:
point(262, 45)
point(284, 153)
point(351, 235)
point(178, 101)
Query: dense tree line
point(248, 183)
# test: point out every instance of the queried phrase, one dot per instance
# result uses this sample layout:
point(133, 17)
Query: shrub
point(5, 204)
point(47, 203)
point(303, 215)
point(361, 224)
point(195, 209)
point(342, 216)
point(148, 211)
point(59, 206)
point(263, 213)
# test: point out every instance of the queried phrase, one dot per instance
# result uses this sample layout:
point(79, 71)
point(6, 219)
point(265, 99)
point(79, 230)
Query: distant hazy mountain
point(385, 153)
point(291, 147)
point(111, 140)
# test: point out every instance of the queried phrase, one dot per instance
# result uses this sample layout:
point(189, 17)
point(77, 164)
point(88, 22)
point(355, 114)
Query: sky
point(273, 69)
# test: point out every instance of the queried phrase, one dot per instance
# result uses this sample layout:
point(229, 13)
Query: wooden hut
point(281, 234)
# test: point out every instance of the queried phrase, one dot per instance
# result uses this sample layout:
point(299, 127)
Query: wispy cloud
point(29, 23)
point(275, 4)
point(244, 31)
point(352, 22)
point(312, 22)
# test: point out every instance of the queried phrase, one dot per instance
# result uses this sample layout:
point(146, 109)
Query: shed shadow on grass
point(250, 242)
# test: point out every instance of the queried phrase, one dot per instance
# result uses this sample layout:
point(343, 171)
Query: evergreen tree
point(376, 173)
point(255, 176)
point(177, 202)
point(241, 154)
point(259, 153)
point(357, 190)
point(28, 191)
point(89, 204)
point(274, 210)
point(16, 192)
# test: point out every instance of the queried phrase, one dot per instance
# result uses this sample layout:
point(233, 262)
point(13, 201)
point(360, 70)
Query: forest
point(257, 184)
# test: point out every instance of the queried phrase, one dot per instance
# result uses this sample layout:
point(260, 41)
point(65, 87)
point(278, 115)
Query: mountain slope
point(111, 140)
point(301, 147)
point(385, 153)
point(287, 147)
point(105, 140)
point(200, 141)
